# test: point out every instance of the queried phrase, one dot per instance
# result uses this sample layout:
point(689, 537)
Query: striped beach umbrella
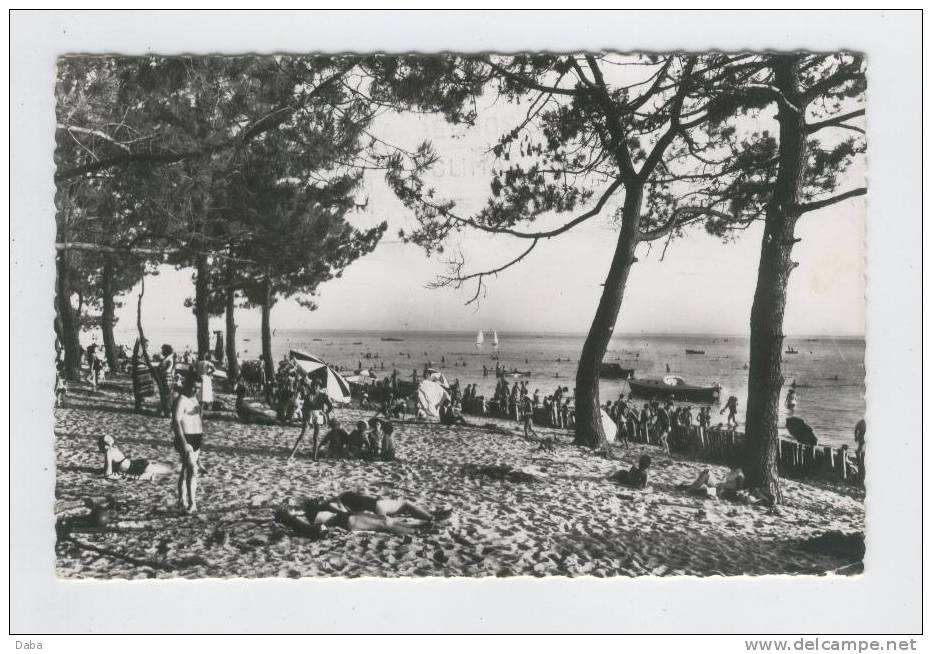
point(336, 387)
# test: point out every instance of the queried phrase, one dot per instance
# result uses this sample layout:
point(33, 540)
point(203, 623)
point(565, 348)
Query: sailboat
point(494, 339)
point(480, 339)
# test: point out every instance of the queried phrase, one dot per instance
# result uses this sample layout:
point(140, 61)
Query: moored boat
point(674, 388)
point(615, 371)
point(690, 351)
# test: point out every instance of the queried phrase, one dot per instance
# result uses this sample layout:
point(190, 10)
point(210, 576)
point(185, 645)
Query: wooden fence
point(716, 445)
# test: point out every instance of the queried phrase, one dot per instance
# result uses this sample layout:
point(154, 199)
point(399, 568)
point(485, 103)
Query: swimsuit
point(194, 440)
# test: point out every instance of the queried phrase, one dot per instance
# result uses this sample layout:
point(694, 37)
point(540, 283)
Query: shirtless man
point(732, 407)
point(316, 409)
point(188, 436)
point(663, 428)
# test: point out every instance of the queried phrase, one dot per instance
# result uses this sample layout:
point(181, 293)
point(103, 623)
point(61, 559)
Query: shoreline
point(569, 521)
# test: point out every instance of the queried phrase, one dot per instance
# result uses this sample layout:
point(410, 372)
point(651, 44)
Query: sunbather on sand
point(358, 512)
point(703, 486)
point(116, 463)
point(637, 476)
point(249, 413)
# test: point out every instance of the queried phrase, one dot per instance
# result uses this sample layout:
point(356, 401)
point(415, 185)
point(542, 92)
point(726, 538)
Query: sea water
point(828, 371)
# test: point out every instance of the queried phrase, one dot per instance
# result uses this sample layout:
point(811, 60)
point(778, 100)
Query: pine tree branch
point(614, 186)
point(836, 122)
point(531, 84)
point(827, 202)
point(266, 123)
point(457, 279)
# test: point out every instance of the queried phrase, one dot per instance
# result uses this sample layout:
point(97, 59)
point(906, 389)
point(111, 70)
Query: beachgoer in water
point(637, 476)
point(732, 407)
point(357, 512)
point(315, 413)
point(188, 437)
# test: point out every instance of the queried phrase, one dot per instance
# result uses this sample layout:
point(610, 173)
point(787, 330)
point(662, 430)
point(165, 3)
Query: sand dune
point(571, 521)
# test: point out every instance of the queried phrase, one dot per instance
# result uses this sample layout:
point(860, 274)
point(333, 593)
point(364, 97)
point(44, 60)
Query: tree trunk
point(108, 317)
point(201, 304)
point(267, 331)
point(68, 321)
point(589, 431)
point(143, 342)
point(233, 365)
point(765, 376)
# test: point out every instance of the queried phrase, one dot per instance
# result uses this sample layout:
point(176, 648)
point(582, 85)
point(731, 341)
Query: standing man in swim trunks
point(316, 410)
point(188, 432)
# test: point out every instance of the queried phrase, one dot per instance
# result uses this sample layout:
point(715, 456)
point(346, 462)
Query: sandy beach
point(568, 520)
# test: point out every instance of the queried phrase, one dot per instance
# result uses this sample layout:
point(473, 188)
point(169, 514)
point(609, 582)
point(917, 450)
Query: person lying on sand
point(249, 413)
point(703, 486)
point(116, 463)
point(357, 512)
point(637, 476)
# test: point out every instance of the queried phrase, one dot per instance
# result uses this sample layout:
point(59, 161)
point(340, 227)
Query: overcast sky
point(703, 285)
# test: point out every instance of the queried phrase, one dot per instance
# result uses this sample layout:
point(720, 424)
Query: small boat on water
point(393, 340)
point(690, 351)
point(615, 371)
point(674, 388)
point(357, 342)
point(480, 339)
point(791, 350)
point(514, 373)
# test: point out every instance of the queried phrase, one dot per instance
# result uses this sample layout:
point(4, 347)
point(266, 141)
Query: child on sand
point(637, 476)
point(61, 387)
point(334, 441)
point(527, 409)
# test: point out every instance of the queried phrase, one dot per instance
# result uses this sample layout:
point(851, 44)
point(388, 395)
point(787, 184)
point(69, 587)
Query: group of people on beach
point(654, 418)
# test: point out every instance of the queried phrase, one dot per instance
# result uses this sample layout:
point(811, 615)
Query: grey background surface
point(885, 599)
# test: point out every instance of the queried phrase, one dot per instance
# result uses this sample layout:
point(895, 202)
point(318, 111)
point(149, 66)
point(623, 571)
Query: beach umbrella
point(336, 387)
point(430, 395)
point(435, 375)
point(609, 427)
